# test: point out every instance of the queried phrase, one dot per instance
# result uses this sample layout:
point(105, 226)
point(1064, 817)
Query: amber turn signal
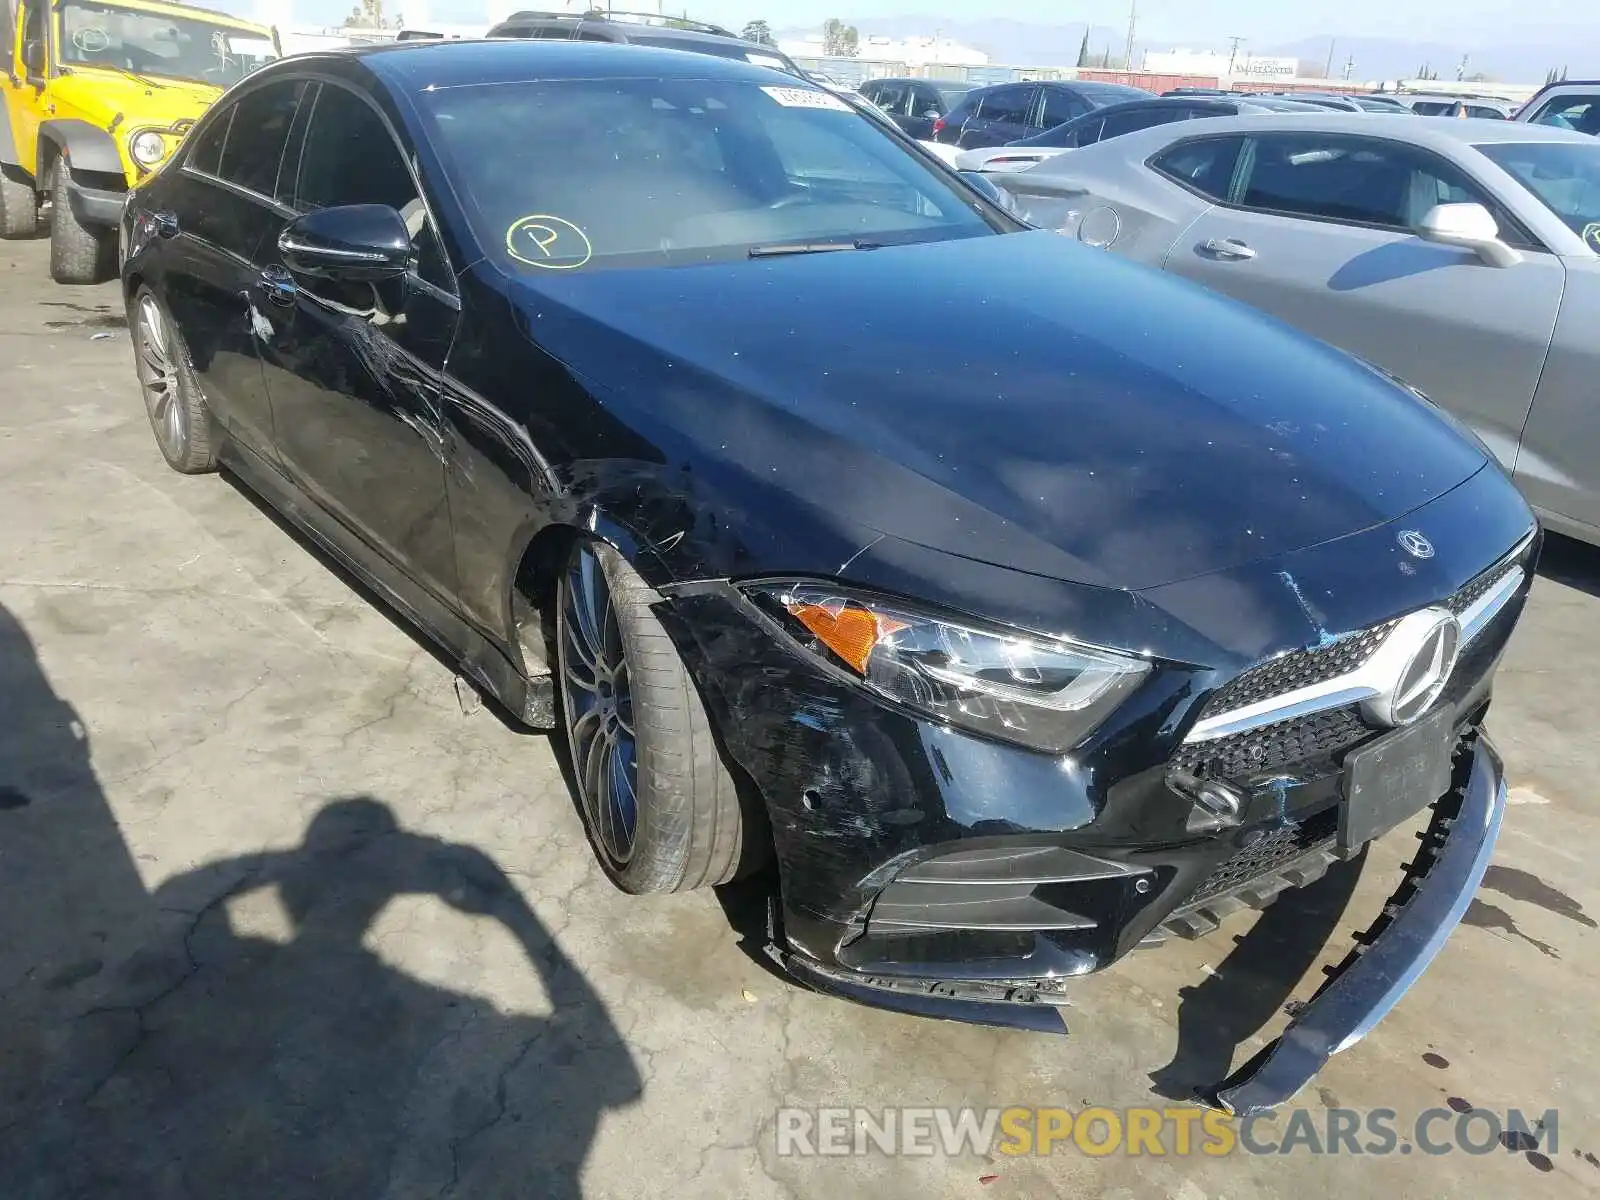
point(849, 630)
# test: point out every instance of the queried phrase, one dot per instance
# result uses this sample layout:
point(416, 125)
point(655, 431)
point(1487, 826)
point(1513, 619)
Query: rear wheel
point(19, 207)
point(178, 414)
point(78, 253)
point(660, 807)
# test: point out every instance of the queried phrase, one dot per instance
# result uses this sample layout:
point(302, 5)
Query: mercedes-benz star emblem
point(1415, 662)
point(1414, 543)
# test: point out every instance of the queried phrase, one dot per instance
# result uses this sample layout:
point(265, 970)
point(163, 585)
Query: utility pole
point(1233, 52)
point(1461, 71)
point(1349, 67)
point(1327, 70)
point(1133, 21)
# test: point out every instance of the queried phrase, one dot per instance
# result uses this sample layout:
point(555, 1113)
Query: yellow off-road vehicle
point(97, 94)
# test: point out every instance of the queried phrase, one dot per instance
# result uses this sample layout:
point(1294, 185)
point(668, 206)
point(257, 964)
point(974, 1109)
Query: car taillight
point(938, 124)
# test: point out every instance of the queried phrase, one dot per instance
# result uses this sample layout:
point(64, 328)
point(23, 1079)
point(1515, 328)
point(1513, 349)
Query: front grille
point(1477, 589)
point(1297, 669)
point(1302, 668)
point(1274, 849)
point(1313, 745)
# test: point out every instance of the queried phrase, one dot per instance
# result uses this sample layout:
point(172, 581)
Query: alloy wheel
point(599, 707)
point(158, 371)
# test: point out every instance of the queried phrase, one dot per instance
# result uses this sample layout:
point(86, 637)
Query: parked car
point(1330, 100)
point(1574, 105)
point(914, 104)
point(993, 116)
point(1114, 120)
point(1460, 255)
point(97, 94)
point(1111, 611)
point(1485, 108)
point(645, 29)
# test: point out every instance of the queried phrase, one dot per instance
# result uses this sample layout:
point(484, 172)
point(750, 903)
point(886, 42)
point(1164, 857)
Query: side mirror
point(1471, 227)
point(33, 60)
point(355, 243)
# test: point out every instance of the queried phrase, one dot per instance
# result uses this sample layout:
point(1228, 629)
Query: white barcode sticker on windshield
point(793, 97)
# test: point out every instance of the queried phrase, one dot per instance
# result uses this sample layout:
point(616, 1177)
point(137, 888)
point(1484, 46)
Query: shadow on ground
point(151, 1049)
point(1568, 561)
point(1252, 985)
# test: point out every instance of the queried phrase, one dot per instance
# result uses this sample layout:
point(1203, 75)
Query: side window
point(1205, 166)
point(350, 157)
point(1083, 132)
point(1140, 118)
point(925, 102)
point(205, 147)
point(1008, 104)
point(1572, 112)
point(1341, 178)
point(1061, 106)
point(891, 98)
point(257, 135)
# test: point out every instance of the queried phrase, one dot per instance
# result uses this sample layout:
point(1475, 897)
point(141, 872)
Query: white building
point(1209, 62)
point(913, 51)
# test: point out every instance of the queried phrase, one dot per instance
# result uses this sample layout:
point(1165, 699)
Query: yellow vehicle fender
point(87, 147)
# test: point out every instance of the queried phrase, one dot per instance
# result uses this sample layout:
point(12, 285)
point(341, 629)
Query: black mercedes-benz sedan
point(1024, 605)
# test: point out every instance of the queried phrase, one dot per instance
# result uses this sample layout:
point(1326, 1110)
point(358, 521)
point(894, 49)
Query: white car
point(949, 155)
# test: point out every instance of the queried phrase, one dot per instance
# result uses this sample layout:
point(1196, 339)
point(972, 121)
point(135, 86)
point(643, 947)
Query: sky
point(1162, 22)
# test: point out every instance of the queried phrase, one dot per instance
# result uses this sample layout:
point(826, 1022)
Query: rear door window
point(1010, 105)
point(1060, 106)
point(891, 97)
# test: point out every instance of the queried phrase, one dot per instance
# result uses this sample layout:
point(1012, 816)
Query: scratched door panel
point(353, 369)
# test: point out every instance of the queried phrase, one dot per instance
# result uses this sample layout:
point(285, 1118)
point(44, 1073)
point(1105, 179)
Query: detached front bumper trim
point(1431, 902)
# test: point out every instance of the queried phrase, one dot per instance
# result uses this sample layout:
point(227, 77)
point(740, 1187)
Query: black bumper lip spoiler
point(1391, 957)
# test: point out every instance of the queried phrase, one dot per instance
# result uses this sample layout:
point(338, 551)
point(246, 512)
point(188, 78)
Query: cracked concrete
point(279, 919)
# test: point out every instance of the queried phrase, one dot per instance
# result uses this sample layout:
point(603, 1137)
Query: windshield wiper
point(825, 247)
point(121, 70)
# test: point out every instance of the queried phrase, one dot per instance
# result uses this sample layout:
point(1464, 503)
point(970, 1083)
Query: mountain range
point(1524, 56)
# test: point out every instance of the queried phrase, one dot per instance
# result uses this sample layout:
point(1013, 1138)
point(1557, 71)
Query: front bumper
point(96, 206)
point(1389, 957)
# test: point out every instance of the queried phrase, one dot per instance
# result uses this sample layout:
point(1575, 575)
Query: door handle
point(278, 285)
point(1229, 248)
point(165, 224)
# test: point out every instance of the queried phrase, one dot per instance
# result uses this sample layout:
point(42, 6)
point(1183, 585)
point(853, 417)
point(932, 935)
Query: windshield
point(593, 173)
point(151, 44)
point(1564, 175)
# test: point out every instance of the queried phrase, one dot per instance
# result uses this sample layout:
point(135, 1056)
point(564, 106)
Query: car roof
point(413, 66)
point(1438, 132)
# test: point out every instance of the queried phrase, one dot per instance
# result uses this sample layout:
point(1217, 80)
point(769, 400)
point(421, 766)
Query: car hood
point(101, 96)
point(1017, 400)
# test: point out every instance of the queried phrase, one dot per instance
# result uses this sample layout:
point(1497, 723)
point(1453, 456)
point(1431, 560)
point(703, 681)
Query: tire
point(179, 417)
point(652, 733)
point(78, 253)
point(19, 208)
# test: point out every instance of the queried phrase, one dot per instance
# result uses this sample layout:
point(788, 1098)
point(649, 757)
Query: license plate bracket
point(1394, 777)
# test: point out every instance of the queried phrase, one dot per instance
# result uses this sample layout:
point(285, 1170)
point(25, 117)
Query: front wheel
point(659, 805)
point(78, 253)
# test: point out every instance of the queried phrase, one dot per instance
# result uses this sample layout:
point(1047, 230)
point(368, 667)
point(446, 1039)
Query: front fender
point(87, 147)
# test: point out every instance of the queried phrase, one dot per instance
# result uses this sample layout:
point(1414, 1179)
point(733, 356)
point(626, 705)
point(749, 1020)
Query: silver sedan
point(1461, 256)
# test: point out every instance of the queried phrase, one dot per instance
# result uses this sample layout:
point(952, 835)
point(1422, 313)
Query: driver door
point(353, 369)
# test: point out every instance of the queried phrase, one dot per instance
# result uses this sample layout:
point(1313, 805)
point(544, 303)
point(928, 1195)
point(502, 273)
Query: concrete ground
point(281, 917)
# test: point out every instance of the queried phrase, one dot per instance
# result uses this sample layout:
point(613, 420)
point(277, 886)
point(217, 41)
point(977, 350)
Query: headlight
point(1040, 692)
point(148, 148)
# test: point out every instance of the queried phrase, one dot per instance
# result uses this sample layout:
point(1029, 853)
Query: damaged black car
point(1022, 605)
